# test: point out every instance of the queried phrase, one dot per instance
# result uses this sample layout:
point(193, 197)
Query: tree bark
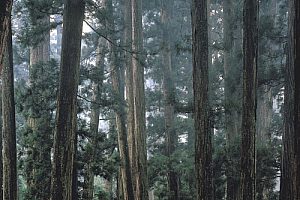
point(296, 63)
point(203, 144)
point(41, 146)
point(169, 97)
point(120, 114)
point(9, 154)
point(5, 12)
point(248, 157)
point(140, 171)
point(65, 133)
point(288, 171)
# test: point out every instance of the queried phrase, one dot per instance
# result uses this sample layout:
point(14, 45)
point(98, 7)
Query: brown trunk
point(287, 181)
point(41, 147)
point(140, 171)
point(65, 133)
point(129, 86)
point(126, 178)
point(8, 124)
point(5, 12)
point(203, 144)
point(169, 96)
point(248, 158)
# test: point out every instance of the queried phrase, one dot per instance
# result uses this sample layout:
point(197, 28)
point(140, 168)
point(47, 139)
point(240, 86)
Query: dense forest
point(150, 100)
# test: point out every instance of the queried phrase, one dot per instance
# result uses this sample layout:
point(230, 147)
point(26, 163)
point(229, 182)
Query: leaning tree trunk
point(169, 96)
point(8, 124)
point(140, 171)
point(248, 157)
point(203, 144)
point(5, 12)
point(65, 133)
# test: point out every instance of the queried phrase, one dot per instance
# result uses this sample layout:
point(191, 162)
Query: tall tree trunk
point(231, 95)
point(287, 183)
point(248, 157)
point(169, 96)
point(8, 124)
point(65, 133)
point(296, 62)
point(140, 171)
point(41, 146)
point(129, 87)
point(95, 113)
point(118, 88)
point(5, 12)
point(1, 157)
point(203, 144)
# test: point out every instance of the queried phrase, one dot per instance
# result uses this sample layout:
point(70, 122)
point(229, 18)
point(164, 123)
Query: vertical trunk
point(169, 96)
point(95, 113)
point(129, 86)
point(140, 171)
point(1, 158)
point(287, 181)
point(126, 178)
point(296, 62)
point(203, 145)
point(264, 114)
point(5, 12)
point(231, 94)
point(8, 124)
point(247, 187)
point(41, 146)
point(65, 133)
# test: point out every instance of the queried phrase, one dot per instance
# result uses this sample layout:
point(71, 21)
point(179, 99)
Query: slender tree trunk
point(169, 96)
point(140, 170)
point(9, 154)
point(287, 183)
point(248, 157)
point(129, 87)
point(1, 157)
point(203, 145)
point(41, 146)
point(118, 88)
point(65, 133)
point(5, 12)
point(230, 91)
point(296, 62)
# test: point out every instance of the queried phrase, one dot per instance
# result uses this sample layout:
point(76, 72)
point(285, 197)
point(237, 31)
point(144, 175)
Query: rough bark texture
point(65, 133)
point(296, 62)
point(140, 171)
point(1, 157)
point(129, 86)
point(5, 12)
point(203, 145)
point(169, 97)
point(247, 187)
point(264, 114)
point(118, 88)
point(8, 124)
point(287, 182)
